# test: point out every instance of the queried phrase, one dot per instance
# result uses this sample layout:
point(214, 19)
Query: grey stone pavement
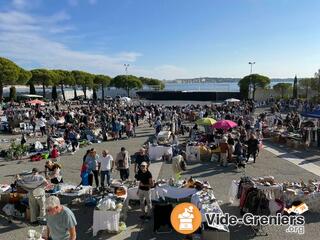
point(220, 179)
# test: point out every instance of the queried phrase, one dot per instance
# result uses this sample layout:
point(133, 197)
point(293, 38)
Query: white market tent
point(32, 96)
point(232, 100)
point(126, 99)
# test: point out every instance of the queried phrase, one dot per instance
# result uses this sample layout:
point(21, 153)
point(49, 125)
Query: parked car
point(108, 98)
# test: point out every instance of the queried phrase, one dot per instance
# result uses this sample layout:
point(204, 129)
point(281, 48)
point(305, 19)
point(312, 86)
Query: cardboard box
point(16, 197)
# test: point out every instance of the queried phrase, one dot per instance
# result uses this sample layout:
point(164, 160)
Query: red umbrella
point(224, 124)
point(36, 101)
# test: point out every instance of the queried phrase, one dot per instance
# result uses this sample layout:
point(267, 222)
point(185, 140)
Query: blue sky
point(166, 39)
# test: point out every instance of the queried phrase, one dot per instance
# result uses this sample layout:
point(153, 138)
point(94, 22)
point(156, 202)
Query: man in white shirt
point(42, 124)
point(105, 164)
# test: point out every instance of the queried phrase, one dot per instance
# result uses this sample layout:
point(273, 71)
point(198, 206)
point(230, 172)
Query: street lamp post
point(126, 65)
point(126, 68)
point(251, 84)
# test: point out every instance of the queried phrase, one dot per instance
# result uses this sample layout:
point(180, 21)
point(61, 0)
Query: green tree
point(74, 75)
point(9, 74)
point(13, 93)
point(43, 77)
point(126, 82)
point(32, 89)
point(153, 83)
point(64, 77)
point(55, 81)
point(295, 88)
point(253, 81)
point(54, 94)
point(24, 76)
point(103, 81)
point(317, 82)
point(84, 79)
point(283, 88)
point(305, 84)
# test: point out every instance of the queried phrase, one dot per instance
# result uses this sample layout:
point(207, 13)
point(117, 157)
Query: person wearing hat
point(139, 158)
point(144, 177)
point(34, 184)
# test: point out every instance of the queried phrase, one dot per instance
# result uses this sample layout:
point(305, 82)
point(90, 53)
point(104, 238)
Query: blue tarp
point(314, 114)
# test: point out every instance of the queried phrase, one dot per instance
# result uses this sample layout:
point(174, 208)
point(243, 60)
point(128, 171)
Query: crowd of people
point(114, 120)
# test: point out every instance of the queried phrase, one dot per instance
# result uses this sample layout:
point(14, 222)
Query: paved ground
point(219, 178)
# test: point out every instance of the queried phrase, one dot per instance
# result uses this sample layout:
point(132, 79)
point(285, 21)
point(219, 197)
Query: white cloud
point(20, 4)
point(60, 16)
point(73, 2)
point(26, 39)
point(170, 71)
point(127, 56)
point(25, 4)
point(92, 1)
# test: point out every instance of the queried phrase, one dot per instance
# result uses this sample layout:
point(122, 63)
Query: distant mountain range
point(220, 80)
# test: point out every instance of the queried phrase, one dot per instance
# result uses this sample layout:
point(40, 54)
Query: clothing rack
point(258, 230)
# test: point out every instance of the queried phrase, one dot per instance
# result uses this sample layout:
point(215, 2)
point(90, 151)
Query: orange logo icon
point(186, 218)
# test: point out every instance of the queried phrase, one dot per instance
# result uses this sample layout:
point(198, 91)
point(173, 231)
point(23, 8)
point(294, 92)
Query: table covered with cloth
point(69, 190)
point(312, 200)
point(105, 220)
point(163, 191)
point(108, 219)
point(156, 152)
point(133, 194)
point(210, 207)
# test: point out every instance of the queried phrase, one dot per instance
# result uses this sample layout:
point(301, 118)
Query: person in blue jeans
point(92, 163)
point(105, 165)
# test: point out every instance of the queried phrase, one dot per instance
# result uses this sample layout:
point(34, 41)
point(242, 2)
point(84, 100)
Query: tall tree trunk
point(32, 89)
point(253, 92)
point(94, 94)
point(62, 92)
point(1, 92)
point(102, 91)
point(128, 92)
point(84, 89)
point(43, 91)
point(318, 98)
point(54, 94)
point(13, 93)
point(307, 91)
point(75, 92)
point(282, 92)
